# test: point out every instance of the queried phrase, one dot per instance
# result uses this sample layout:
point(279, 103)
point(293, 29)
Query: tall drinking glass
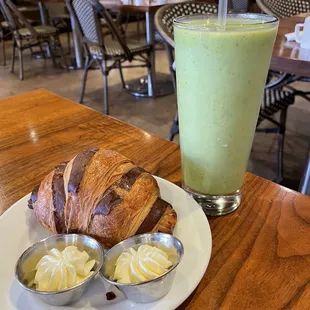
point(221, 73)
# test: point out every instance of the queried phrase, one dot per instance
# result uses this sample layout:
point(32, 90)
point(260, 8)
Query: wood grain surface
point(38, 130)
point(261, 252)
point(288, 57)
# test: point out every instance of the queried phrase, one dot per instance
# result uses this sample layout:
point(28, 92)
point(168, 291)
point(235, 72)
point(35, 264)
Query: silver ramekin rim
point(148, 281)
point(68, 289)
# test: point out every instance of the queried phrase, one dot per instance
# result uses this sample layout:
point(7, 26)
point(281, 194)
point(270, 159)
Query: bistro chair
point(26, 36)
point(57, 15)
point(4, 31)
point(100, 49)
point(284, 8)
point(275, 99)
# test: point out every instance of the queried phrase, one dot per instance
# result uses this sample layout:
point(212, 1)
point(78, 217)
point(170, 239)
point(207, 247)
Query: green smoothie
point(221, 73)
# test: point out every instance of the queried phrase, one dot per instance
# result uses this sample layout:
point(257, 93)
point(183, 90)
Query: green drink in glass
point(221, 73)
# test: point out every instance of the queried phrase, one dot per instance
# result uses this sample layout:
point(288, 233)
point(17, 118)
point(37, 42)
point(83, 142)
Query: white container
point(303, 37)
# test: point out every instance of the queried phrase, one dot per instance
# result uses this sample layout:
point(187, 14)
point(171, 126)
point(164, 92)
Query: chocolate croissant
point(103, 194)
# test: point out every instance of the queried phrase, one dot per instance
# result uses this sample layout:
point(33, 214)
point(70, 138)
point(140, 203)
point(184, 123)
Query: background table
point(261, 253)
point(288, 57)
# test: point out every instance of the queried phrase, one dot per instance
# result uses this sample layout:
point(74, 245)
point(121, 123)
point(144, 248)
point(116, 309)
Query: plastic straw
point(222, 12)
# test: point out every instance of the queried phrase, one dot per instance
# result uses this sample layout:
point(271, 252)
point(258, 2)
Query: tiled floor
point(156, 115)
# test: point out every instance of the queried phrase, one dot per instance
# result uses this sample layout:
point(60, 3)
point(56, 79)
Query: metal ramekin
point(25, 266)
point(156, 288)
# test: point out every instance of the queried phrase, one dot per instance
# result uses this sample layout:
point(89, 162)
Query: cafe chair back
point(100, 49)
point(164, 25)
point(239, 6)
point(4, 32)
point(275, 98)
point(284, 8)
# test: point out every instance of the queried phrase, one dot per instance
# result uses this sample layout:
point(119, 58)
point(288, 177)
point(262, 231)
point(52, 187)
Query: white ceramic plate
point(19, 230)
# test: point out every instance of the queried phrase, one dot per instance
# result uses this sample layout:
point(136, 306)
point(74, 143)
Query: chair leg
point(281, 135)
point(121, 74)
point(84, 79)
point(170, 57)
point(153, 86)
point(304, 186)
point(151, 70)
point(175, 125)
point(280, 158)
point(126, 23)
point(31, 50)
point(174, 128)
point(69, 42)
point(42, 51)
point(3, 47)
point(51, 52)
point(103, 67)
point(13, 56)
point(105, 95)
point(21, 63)
point(4, 53)
point(120, 25)
point(62, 52)
point(138, 29)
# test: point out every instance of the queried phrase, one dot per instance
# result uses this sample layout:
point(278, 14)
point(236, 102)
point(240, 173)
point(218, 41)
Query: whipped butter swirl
point(143, 264)
point(61, 270)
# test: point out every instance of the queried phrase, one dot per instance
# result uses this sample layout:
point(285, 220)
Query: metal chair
point(57, 15)
point(275, 99)
point(26, 36)
point(3, 27)
point(284, 8)
point(99, 49)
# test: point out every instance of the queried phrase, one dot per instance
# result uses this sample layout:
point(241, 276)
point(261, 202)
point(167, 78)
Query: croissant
point(102, 194)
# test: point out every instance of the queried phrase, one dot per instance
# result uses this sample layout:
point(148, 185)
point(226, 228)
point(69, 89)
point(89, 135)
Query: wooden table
point(134, 6)
point(261, 252)
point(288, 57)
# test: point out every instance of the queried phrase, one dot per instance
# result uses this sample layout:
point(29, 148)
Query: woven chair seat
point(43, 31)
point(60, 16)
point(103, 22)
point(4, 25)
point(274, 101)
point(113, 49)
